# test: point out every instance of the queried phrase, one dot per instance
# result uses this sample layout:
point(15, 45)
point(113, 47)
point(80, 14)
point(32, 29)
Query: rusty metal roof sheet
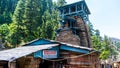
point(15, 53)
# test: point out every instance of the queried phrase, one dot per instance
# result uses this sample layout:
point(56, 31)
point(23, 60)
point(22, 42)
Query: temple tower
point(73, 29)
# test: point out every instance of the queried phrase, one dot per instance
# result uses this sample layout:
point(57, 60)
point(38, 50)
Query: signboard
point(48, 54)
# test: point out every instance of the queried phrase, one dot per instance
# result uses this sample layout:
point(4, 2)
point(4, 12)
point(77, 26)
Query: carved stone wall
point(67, 36)
point(80, 23)
point(84, 33)
point(80, 37)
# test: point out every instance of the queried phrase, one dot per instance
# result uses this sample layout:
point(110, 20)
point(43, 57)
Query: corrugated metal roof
point(15, 53)
point(58, 42)
point(76, 46)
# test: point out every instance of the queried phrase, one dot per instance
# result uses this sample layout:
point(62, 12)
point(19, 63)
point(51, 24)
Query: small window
point(61, 12)
point(70, 23)
point(72, 8)
point(66, 10)
point(79, 7)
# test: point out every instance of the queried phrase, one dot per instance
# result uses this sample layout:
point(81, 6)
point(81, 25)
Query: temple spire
point(73, 24)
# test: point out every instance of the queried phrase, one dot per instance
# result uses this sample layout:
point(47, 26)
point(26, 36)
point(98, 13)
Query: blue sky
point(105, 16)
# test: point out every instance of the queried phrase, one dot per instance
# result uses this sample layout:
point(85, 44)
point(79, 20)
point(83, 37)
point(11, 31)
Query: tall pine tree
point(7, 8)
point(17, 28)
point(33, 19)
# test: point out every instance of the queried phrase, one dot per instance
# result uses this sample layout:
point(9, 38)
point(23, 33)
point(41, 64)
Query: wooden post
point(9, 64)
point(53, 64)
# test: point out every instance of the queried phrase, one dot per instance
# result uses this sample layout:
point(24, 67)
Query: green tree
point(16, 28)
point(61, 3)
point(31, 16)
point(50, 23)
point(104, 45)
point(13, 37)
point(4, 31)
point(97, 33)
point(117, 44)
point(108, 49)
point(96, 42)
point(91, 29)
point(33, 19)
point(7, 8)
point(55, 20)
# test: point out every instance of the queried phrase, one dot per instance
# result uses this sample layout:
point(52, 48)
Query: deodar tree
point(32, 20)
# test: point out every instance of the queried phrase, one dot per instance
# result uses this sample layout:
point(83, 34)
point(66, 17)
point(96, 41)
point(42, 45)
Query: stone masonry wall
point(67, 36)
point(82, 36)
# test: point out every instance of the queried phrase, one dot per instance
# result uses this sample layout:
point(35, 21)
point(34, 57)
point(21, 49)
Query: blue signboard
point(47, 53)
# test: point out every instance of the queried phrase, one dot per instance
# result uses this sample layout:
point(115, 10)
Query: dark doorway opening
point(53, 64)
point(3, 64)
point(45, 64)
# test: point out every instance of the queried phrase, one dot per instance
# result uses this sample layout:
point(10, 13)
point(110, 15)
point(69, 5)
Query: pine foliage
point(31, 20)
